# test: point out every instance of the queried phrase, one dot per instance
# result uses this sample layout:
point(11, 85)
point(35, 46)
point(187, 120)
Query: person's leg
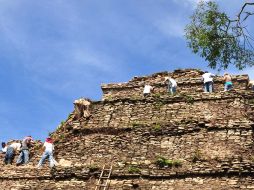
point(206, 87)
point(20, 158)
point(26, 156)
point(230, 86)
point(210, 87)
point(225, 87)
point(173, 90)
point(253, 87)
point(10, 155)
point(7, 155)
point(43, 158)
point(51, 160)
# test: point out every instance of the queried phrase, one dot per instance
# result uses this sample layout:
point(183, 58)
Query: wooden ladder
point(103, 180)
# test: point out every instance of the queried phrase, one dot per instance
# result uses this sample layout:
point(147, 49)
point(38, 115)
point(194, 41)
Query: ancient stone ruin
point(189, 141)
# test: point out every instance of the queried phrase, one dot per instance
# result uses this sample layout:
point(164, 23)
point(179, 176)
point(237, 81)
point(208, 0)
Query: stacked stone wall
point(206, 140)
point(189, 82)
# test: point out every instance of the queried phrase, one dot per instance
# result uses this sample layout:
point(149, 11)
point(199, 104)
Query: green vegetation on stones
point(157, 127)
point(164, 162)
point(133, 169)
point(93, 168)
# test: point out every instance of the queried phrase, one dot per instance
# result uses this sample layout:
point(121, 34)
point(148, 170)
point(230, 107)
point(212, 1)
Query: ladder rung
point(105, 177)
point(102, 185)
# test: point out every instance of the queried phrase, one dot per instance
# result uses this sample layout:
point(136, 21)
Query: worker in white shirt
point(48, 153)
point(4, 147)
point(171, 85)
point(147, 90)
point(208, 81)
point(12, 149)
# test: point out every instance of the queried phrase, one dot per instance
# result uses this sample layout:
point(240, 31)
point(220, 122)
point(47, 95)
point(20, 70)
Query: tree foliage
point(218, 39)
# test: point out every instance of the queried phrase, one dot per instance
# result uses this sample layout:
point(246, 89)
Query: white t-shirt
point(208, 77)
point(16, 146)
point(49, 147)
point(147, 89)
point(4, 149)
point(173, 82)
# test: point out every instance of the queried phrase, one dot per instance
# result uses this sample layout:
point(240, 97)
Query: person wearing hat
point(24, 154)
point(48, 153)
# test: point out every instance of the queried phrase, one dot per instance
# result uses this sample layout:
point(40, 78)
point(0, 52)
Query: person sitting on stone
point(24, 154)
point(147, 90)
point(228, 82)
point(4, 148)
point(171, 85)
point(48, 153)
point(11, 151)
point(251, 84)
point(208, 81)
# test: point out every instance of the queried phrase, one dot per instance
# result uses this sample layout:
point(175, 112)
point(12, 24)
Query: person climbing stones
point(82, 108)
point(147, 90)
point(171, 85)
point(12, 149)
point(4, 148)
point(24, 153)
point(48, 153)
point(228, 82)
point(207, 78)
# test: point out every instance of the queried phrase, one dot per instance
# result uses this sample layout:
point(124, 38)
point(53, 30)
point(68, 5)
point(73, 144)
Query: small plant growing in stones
point(133, 169)
point(136, 124)
point(93, 168)
point(163, 162)
point(189, 99)
point(157, 127)
point(177, 163)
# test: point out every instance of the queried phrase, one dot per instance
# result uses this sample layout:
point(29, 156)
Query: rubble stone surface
point(192, 140)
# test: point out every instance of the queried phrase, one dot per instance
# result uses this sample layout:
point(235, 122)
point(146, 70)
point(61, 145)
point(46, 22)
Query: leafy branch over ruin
point(220, 40)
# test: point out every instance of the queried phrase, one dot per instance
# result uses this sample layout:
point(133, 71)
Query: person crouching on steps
point(12, 149)
point(24, 154)
point(48, 153)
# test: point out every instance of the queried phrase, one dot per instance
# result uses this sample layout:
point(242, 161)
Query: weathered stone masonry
point(210, 135)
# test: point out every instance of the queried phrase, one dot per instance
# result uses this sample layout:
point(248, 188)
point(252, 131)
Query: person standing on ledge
point(24, 154)
point(228, 82)
point(147, 90)
point(207, 78)
point(171, 85)
point(48, 153)
point(10, 153)
point(4, 147)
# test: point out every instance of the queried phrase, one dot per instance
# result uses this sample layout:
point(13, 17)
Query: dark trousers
point(9, 155)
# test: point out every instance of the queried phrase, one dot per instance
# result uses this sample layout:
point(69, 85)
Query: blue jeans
point(173, 90)
point(253, 87)
point(228, 86)
point(208, 87)
point(47, 154)
point(23, 157)
point(9, 155)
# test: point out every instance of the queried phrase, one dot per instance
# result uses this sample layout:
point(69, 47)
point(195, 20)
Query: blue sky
point(55, 51)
